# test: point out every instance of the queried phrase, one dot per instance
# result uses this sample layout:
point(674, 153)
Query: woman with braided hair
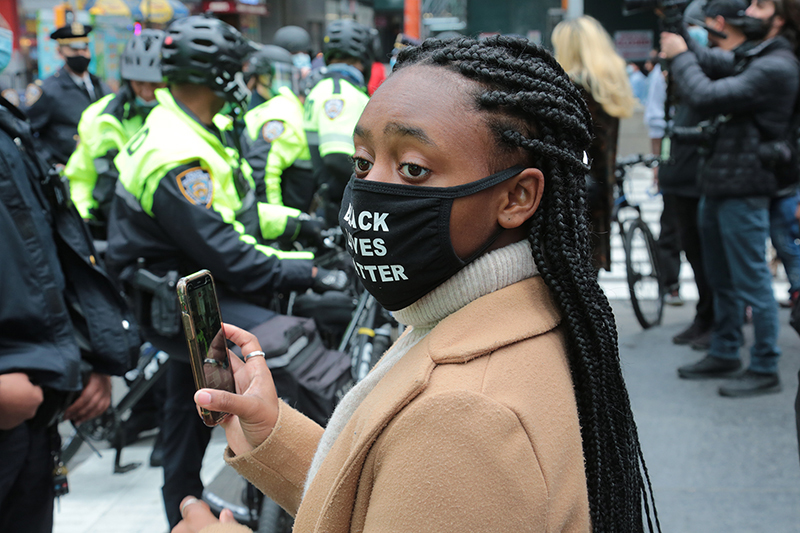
point(502, 407)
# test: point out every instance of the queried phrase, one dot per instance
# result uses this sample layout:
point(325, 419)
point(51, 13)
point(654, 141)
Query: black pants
point(26, 480)
point(685, 208)
point(669, 245)
point(183, 433)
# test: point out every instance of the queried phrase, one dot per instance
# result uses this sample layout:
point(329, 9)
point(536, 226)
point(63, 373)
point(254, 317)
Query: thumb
point(226, 517)
point(245, 407)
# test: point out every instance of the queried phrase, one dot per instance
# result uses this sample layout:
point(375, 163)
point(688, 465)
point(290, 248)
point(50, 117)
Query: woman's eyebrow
point(393, 128)
point(358, 131)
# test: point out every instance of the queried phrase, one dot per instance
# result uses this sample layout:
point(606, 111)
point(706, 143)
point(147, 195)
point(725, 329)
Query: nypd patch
point(196, 185)
point(272, 130)
point(32, 94)
point(333, 107)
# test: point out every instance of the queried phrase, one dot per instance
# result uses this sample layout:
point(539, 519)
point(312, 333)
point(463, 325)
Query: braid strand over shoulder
point(524, 83)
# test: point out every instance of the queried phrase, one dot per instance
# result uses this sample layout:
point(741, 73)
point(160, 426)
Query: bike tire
point(641, 264)
point(273, 519)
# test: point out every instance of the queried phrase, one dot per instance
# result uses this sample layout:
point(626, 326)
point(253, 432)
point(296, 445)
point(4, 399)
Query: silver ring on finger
point(257, 353)
point(186, 504)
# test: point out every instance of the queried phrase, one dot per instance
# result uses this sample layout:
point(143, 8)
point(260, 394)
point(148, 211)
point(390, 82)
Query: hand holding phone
point(205, 336)
point(254, 411)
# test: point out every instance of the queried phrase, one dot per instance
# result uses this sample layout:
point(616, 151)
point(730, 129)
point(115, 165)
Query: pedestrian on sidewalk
point(748, 91)
point(585, 51)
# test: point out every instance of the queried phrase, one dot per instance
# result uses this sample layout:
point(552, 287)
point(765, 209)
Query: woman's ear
point(520, 198)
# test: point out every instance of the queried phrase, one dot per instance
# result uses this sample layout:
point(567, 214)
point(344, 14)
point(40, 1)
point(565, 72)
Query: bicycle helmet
point(276, 63)
point(202, 50)
point(141, 60)
point(293, 38)
point(347, 38)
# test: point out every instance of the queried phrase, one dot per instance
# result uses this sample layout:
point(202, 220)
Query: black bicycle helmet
point(202, 50)
point(293, 38)
point(262, 60)
point(275, 63)
point(141, 60)
point(347, 38)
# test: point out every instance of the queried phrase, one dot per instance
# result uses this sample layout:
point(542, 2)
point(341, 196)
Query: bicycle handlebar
point(649, 161)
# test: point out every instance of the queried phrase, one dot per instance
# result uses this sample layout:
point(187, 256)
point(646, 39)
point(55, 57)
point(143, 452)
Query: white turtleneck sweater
point(490, 272)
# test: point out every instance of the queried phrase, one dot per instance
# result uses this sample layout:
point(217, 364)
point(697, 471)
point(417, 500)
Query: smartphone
point(208, 347)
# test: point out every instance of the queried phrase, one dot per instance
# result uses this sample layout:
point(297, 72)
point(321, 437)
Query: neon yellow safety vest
point(99, 132)
point(277, 138)
point(332, 110)
point(171, 138)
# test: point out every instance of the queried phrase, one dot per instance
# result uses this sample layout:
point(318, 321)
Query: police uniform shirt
point(275, 146)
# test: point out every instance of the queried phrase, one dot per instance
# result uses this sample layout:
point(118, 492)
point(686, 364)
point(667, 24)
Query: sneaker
point(673, 298)
point(690, 334)
point(703, 342)
point(751, 383)
point(710, 367)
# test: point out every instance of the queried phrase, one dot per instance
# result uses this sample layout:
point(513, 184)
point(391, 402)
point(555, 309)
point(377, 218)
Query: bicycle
point(641, 256)
point(151, 365)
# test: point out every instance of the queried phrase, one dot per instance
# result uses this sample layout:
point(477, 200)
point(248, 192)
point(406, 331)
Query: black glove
point(311, 226)
point(329, 280)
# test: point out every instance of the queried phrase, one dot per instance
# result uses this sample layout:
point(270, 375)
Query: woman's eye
point(361, 166)
point(412, 171)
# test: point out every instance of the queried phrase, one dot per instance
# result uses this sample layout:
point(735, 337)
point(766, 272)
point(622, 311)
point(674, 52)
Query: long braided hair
point(543, 113)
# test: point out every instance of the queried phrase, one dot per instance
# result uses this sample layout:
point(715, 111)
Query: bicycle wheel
point(641, 263)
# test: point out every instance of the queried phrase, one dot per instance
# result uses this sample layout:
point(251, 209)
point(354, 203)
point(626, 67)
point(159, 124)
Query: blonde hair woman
point(585, 51)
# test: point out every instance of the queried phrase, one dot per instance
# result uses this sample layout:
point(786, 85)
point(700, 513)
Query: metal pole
point(574, 8)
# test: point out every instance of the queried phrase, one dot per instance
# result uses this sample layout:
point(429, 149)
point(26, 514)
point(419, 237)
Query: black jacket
point(678, 176)
point(57, 305)
point(54, 108)
point(753, 91)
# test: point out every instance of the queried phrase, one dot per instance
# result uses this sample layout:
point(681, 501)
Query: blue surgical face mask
point(302, 60)
point(141, 103)
point(6, 47)
point(699, 35)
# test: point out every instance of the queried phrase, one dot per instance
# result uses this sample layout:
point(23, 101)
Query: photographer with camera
point(748, 91)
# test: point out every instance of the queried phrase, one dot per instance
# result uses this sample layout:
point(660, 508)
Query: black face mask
point(78, 64)
point(755, 29)
point(399, 235)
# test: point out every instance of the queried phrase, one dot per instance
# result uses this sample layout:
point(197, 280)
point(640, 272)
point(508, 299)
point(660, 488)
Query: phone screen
point(209, 334)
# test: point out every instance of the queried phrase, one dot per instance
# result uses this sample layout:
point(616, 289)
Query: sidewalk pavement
point(717, 464)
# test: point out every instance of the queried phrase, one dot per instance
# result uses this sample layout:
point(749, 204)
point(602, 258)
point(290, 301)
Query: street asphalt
point(717, 464)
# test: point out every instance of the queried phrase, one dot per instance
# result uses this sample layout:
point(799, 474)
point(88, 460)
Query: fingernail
point(202, 398)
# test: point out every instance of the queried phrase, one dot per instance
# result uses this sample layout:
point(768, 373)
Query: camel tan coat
point(475, 429)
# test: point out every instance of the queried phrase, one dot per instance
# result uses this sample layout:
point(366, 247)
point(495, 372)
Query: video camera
point(670, 11)
point(672, 14)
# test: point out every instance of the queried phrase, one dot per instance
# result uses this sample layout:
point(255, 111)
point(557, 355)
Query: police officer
point(275, 139)
point(54, 105)
point(298, 42)
point(106, 126)
point(185, 201)
point(42, 366)
point(334, 105)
